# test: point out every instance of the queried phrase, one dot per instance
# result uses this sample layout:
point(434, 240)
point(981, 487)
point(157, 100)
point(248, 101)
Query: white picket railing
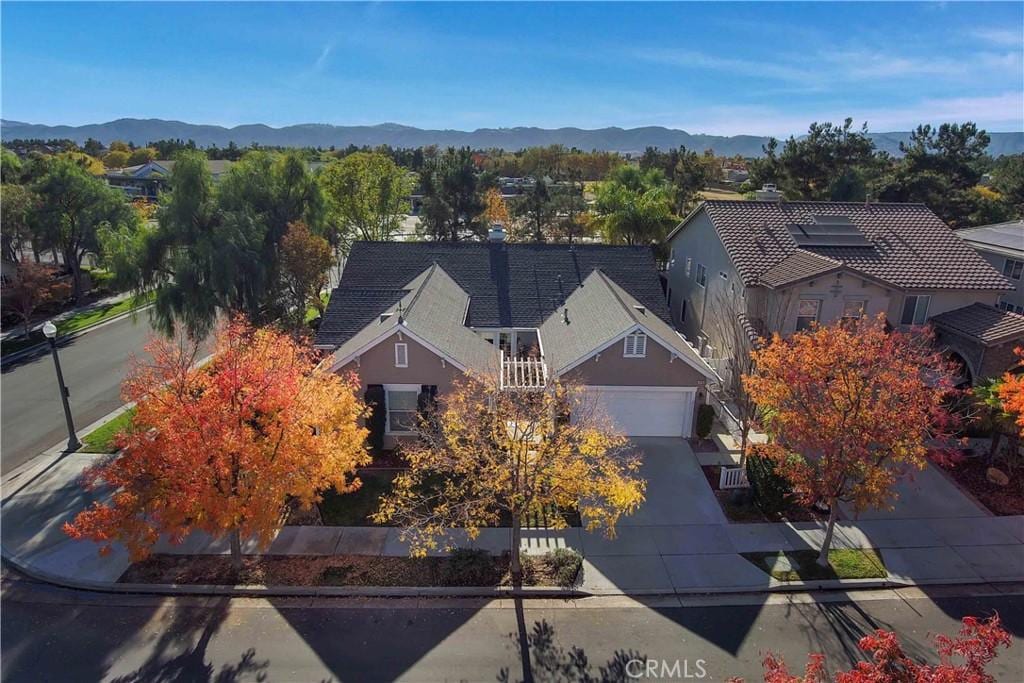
point(523, 373)
point(732, 478)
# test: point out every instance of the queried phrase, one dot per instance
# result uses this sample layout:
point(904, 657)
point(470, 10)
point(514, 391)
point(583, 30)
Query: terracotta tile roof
point(910, 247)
point(987, 324)
point(797, 266)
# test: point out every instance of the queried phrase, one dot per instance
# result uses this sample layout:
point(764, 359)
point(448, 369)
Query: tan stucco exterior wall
point(610, 368)
point(377, 366)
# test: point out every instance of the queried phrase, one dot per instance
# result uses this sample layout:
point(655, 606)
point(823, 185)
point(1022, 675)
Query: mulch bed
point(749, 512)
point(337, 570)
point(969, 474)
point(387, 459)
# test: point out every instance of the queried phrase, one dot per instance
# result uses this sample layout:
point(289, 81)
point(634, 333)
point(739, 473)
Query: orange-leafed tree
point(306, 259)
point(495, 208)
point(489, 456)
point(223, 448)
point(857, 405)
point(962, 659)
point(1011, 392)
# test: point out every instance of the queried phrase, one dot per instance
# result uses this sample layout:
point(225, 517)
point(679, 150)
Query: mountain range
point(142, 131)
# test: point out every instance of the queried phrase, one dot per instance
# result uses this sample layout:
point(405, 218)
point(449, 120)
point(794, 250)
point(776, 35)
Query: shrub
point(705, 416)
point(772, 491)
point(469, 567)
point(565, 565)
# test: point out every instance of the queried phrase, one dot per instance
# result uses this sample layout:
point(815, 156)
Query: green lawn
point(101, 439)
point(802, 565)
point(354, 509)
point(77, 322)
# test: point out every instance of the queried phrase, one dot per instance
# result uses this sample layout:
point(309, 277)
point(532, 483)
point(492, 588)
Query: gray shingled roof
point(597, 313)
point(432, 308)
point(509, 285)
point(1008, 235)
point(987, 324)
point(911, 248)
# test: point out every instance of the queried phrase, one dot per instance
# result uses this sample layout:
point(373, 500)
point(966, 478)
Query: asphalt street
point(54, 634)
point(93, 364)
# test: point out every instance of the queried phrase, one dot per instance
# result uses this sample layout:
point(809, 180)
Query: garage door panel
point(645, 411)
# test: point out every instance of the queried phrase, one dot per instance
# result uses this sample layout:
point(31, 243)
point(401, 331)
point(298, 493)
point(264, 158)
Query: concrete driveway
point(677, 492)
point(923, 494)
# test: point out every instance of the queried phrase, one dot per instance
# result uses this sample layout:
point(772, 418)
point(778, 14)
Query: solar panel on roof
point(828, 231)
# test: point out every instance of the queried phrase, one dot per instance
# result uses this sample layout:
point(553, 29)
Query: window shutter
point(630, 345)
point(376, 422)
point(641, 345)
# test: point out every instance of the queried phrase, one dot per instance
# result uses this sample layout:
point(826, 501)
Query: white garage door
point(646, 411)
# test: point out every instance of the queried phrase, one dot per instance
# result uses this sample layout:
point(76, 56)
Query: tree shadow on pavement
point(543, 659)
point(190, 663)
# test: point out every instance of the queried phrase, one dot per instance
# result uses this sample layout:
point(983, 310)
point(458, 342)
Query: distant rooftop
point(1008, 235)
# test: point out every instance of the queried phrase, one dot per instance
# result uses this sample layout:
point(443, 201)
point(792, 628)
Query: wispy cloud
point(1000, 36)
point(744, 67)
point(325, 55)
point(827, 68)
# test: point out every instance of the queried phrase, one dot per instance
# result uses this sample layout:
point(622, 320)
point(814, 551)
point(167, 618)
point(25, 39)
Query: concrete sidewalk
point(642, 559)
point(19, 331)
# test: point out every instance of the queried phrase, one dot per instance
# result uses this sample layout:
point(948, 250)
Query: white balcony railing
point(523, 373)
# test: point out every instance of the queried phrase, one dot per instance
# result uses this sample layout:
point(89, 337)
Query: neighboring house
point(1002, 245)
point(147, 180)
point(411, 317)
point(781, 266)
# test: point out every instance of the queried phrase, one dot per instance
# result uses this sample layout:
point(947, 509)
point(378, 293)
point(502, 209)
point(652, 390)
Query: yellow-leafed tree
point(493, 456)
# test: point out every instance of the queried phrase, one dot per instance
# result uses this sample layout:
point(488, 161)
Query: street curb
point(529, 592)
point(18, 355)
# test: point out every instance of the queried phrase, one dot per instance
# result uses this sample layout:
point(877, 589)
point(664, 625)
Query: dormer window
point(401, 355)
point(635, 345)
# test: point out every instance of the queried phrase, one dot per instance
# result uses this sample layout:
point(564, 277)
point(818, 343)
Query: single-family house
point(409, 318)
point(781, 266)
point(1002, 245)
point(147, 180)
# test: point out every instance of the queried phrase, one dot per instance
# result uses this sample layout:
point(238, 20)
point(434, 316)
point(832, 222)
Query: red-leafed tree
point(962, 659)
point(856, 405)
point(34, 285)
point(224, 447)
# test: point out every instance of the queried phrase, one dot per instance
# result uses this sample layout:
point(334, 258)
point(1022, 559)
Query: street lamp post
point(50, 331)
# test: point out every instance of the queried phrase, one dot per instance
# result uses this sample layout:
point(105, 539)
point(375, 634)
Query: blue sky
point(718, 68)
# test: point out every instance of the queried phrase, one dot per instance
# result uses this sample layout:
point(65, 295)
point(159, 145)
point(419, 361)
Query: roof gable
point(600, 313)
point(509, 285)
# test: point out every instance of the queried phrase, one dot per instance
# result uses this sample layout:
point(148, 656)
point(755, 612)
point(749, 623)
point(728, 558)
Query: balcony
point(523, 372)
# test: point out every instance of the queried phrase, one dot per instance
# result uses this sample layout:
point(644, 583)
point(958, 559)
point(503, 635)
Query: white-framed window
point(1007, 306)
point(635, 345)
point(854, 309)
point(915, 309)
point(689, 264)
point(401, 401)
point(807, 311)
point(401, 355)
point(702, 275)
point(1012, 268)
